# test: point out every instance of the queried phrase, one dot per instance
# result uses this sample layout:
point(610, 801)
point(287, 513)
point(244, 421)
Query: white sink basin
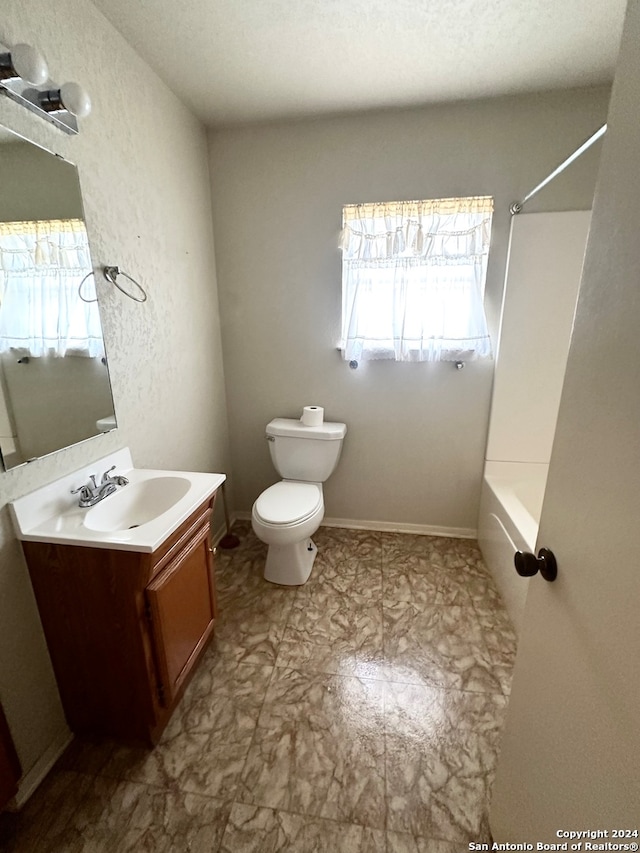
point(136, 517)
point(136, 504)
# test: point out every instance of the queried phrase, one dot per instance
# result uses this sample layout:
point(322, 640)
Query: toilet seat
point(288, 502)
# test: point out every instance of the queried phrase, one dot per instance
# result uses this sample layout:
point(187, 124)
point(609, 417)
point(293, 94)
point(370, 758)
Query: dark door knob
point(528, 564)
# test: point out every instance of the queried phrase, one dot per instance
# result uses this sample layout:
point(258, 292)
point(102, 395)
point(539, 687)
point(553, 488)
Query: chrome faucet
point(92, 493)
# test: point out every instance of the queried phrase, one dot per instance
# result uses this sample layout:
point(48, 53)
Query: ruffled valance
point(44, 243)
point(440, 229)
point(413, 278)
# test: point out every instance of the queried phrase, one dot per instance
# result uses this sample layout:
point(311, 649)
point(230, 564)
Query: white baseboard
point(389, 527)
point(400, 527)
point(30, 781)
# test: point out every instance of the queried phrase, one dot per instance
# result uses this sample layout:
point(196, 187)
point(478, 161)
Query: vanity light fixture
point(23, 61)
point(24, 78)
point(70, 97)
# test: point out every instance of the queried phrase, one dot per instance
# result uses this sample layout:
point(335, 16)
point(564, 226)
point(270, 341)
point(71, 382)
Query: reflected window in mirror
point(42, 265)
point(54, 381)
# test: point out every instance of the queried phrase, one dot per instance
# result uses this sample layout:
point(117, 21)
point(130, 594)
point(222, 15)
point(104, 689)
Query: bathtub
point(510, 507)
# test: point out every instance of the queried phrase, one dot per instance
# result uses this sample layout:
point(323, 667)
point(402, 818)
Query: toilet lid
point(286, 502)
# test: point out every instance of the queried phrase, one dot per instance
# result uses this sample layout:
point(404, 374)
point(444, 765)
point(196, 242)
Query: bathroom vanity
point(126, 611)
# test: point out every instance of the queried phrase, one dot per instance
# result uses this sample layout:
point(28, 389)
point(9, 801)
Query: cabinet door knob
point(527, 564)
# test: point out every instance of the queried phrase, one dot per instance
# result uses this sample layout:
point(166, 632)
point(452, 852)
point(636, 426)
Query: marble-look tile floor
point(359, 713)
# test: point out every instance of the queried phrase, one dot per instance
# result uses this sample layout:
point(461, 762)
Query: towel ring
point(111, 274)
point(80, 288)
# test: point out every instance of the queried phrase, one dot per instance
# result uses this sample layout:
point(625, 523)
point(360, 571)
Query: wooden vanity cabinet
point(125, 628)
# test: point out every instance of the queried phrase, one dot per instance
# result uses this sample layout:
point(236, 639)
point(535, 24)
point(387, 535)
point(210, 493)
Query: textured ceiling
point(236, 61)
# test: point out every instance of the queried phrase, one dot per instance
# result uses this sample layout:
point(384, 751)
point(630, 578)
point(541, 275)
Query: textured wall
point(143, 168)
point(415, 447)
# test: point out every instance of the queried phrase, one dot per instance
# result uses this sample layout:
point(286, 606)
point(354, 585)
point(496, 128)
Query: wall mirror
point(54, 378)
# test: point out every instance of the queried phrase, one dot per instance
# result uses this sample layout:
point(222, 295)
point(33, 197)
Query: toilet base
point(290, 565)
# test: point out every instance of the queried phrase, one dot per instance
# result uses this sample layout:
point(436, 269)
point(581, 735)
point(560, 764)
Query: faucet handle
point(85, 492)
point(105, 476)
point(119, 480)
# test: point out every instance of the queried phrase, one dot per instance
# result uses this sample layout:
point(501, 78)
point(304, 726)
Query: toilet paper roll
point(312, 416)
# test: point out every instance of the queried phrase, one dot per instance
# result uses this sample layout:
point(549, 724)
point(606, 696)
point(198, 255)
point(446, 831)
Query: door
point(10, 770)
point(570, 757)
point(182, 602)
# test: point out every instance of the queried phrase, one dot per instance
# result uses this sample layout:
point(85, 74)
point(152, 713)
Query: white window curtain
point(41, 266)
point(413, 277)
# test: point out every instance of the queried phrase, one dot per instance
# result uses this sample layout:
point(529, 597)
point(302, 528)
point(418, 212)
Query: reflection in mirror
point(54, 380)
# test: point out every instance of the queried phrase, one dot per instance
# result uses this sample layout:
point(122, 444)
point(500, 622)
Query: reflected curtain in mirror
point(42, 264)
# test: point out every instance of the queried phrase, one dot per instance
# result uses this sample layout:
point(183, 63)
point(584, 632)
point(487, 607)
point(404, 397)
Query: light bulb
point(75, 99)
point(29, 64)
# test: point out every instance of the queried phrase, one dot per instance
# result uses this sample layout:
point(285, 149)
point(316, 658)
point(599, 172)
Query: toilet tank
point(300, 452)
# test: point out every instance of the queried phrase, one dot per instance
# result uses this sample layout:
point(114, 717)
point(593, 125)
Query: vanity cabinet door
point(181, 604)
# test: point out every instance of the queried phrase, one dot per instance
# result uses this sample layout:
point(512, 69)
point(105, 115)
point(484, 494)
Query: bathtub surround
point(278, 192)
point(546, 252)
point(142, 159)
point(508, 521)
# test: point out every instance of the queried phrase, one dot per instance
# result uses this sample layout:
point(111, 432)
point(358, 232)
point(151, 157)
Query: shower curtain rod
point(517, 206)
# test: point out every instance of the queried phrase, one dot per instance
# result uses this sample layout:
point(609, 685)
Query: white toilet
point(288, 513)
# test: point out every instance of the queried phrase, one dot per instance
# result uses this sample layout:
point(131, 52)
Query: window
point(413, 275)
point(42, 264)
